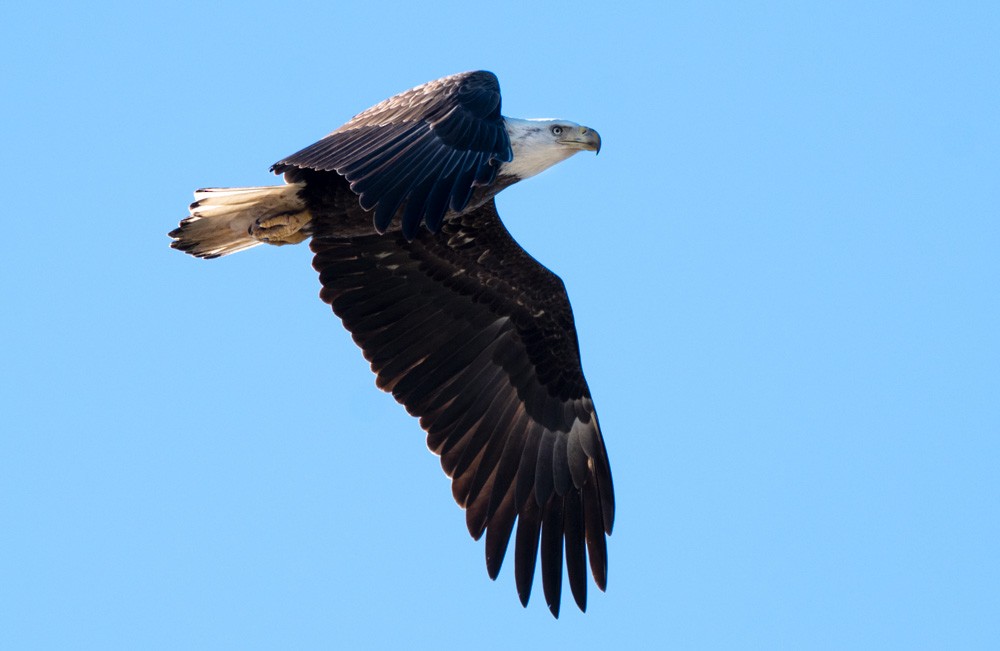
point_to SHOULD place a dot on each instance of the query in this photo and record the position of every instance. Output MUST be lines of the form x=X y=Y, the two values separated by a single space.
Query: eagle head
x=540 y=144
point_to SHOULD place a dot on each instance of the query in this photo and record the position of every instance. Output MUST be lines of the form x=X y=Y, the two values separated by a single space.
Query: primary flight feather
x=466 y=330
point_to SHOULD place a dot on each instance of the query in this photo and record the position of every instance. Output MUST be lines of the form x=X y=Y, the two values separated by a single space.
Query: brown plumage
x=464 y=328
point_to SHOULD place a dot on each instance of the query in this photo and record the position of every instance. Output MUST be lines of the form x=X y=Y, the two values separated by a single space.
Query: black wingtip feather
x=526 y=549
x=552 y=553
x=576 y=553
x=498 y=534
x=594 y=532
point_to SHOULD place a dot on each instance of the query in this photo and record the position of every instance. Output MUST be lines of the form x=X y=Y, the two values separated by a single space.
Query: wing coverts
x=425 y=150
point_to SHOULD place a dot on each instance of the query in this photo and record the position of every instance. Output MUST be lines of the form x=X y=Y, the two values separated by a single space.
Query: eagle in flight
x=467 y=331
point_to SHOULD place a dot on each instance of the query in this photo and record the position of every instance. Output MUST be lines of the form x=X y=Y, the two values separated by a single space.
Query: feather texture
x=476 y=338
x=464 y=328
x=425 y=150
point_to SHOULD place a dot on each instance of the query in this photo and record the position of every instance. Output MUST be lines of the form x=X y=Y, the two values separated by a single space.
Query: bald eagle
x=467 y=331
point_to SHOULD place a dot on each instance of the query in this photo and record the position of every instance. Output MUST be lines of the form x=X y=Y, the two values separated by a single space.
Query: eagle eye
x=556 y=130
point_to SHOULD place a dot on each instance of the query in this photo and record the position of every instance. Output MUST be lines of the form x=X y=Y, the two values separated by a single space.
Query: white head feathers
x=540 y=144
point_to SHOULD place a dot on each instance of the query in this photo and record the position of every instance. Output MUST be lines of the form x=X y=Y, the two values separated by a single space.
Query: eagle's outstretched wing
x=426 y=148
x=477 y=339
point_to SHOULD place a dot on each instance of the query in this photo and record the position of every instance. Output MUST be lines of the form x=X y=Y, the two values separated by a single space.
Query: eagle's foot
x=283 y=228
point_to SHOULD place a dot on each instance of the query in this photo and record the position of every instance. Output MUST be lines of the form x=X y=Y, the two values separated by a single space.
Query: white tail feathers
x=222 y=219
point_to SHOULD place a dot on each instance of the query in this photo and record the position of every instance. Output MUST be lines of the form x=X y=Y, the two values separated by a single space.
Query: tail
x=223 y=220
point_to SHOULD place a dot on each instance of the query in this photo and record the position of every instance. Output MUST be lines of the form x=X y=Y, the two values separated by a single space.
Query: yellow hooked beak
x=583 y=138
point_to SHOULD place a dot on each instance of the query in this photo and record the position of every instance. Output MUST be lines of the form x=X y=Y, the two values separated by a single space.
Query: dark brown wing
x=476 y=338
x=426 y=148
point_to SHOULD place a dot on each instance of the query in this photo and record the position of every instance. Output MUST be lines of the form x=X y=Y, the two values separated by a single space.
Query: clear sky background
x=785 y=268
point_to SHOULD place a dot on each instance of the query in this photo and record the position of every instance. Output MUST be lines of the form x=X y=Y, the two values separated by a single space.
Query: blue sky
x=784 y=269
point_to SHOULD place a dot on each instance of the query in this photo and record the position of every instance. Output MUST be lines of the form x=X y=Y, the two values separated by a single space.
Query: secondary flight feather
x=467 y=331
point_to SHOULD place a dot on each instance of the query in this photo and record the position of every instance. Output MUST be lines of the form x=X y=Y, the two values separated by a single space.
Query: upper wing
x=476 y=338
x=427 y=147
